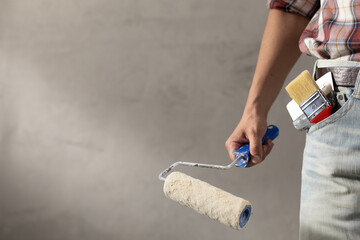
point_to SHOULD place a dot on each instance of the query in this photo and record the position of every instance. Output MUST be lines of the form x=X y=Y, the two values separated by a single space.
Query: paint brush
x=300 y=121
x=311 y=100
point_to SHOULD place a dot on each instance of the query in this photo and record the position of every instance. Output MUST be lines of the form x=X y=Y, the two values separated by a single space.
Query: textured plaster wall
x=97 y=97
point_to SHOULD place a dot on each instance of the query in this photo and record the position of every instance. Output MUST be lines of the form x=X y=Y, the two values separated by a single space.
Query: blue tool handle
x=244 y=151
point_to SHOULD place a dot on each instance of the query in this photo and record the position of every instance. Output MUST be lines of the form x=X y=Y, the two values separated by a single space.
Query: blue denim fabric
x=330 y=191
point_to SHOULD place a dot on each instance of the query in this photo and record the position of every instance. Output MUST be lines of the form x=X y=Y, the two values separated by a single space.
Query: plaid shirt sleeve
x=307 y=8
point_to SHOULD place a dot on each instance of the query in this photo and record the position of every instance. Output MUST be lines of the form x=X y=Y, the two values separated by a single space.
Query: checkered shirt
x=333 y=31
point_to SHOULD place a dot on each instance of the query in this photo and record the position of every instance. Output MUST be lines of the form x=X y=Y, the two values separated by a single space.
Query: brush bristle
x=302 y=87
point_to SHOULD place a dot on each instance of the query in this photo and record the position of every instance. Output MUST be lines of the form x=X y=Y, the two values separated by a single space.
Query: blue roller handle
x=244 y=151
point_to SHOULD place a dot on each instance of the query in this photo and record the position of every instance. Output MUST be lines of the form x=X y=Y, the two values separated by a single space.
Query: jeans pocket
x=336 y=116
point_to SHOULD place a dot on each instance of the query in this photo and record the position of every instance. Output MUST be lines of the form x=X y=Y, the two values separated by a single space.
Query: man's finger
x=267 y=148
x=230 y=147
x=255 y=149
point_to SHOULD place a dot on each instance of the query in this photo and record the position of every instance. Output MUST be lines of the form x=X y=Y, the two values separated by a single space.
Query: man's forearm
x=279 y=52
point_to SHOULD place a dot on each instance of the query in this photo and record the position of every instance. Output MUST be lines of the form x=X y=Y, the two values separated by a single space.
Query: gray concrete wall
x=97 y=97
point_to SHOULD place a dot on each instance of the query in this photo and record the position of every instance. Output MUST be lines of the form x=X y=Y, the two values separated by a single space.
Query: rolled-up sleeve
x=307 y=8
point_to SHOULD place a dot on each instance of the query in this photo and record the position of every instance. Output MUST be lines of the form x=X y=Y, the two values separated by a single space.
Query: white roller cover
x=213 y=202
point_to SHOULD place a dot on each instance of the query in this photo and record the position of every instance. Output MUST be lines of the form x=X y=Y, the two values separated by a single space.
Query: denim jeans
x=330 y=191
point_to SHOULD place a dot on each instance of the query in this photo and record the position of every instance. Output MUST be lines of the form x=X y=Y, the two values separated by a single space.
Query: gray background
x=97 y=97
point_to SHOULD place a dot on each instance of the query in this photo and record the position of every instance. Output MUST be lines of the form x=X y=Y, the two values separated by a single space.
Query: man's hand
x=250 y=129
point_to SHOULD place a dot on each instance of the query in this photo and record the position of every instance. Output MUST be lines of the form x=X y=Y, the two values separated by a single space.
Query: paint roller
x=208 y=200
